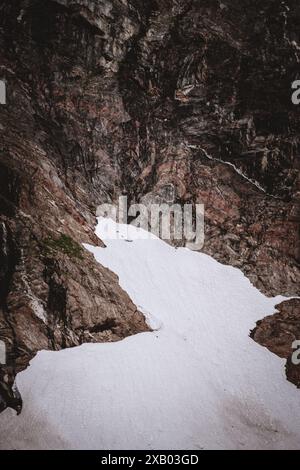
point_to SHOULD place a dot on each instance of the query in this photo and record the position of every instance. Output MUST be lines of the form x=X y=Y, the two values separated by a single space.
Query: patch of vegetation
x=64 y=244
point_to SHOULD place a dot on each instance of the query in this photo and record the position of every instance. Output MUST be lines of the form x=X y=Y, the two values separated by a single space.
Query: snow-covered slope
x=198 y=381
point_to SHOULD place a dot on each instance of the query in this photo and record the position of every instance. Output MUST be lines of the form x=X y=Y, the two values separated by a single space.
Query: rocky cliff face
x=107 y=96
x=279 y=332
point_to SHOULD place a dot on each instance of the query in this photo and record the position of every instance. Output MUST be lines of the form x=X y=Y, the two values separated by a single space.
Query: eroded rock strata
x=110 y=96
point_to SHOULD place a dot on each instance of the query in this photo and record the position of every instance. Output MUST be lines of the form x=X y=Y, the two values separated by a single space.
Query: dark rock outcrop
x=279 y=332
x=107 y=96
x=54 y=171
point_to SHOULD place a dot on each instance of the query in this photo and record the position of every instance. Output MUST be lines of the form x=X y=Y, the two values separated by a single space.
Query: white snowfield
x=197 y=382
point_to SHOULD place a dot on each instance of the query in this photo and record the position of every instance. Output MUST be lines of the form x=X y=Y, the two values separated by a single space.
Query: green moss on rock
x=64 y=244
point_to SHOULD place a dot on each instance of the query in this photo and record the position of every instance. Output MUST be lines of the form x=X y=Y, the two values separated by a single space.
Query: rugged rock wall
x=57 y=162
x=138 y=96
x=209 y=82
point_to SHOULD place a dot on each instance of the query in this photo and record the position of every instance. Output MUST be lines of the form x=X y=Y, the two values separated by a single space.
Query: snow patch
x=199 y=382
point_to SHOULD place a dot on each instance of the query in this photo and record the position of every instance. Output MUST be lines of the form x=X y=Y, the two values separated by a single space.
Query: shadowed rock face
x=111 y=96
